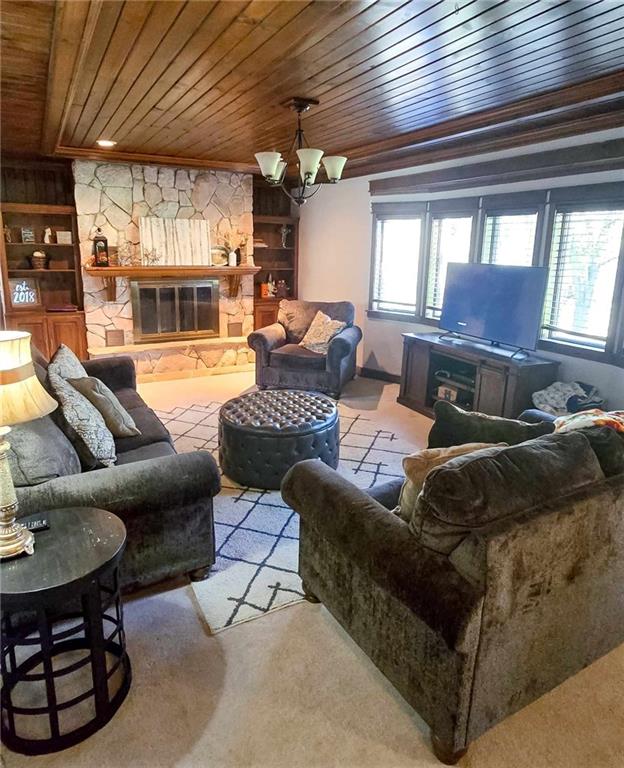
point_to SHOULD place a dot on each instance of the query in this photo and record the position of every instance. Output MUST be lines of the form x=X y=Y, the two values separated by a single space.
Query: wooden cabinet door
x=35 y=324
x=491 y=389
x=68 y=329
x=265 y=314
x=414 y=373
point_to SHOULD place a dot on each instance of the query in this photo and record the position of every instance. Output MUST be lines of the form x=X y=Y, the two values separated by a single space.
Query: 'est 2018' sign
x=24 y=293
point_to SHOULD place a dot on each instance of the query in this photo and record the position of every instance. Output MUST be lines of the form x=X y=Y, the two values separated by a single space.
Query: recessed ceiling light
x=106 y=143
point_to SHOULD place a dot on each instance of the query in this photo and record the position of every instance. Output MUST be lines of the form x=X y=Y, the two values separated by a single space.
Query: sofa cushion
x=418 y=465
x=151 y=451
x=294 y=357
x=473 y=491
x=150 y=426
x=297 y=316
x=115 y=416
x=454 y=426
x=85 y=419
x=129 y=398
x=65 y=364
x=39 y=451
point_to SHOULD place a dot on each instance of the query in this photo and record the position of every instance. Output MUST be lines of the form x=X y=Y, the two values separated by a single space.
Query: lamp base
x=15 y=539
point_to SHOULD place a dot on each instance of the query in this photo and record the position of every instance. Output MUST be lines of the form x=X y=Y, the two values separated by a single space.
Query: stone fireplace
x=211 y=335
x=166 y=310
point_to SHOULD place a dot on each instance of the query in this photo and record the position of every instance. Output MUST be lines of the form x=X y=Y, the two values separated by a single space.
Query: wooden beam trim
x=552 y=163
x=80 y=153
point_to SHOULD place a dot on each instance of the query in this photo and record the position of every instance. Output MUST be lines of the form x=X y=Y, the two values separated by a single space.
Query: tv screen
x=497 y=303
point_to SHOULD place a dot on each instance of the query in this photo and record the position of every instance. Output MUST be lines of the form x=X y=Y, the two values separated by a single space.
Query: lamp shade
x=268 y=162
x=309 y=161
x=333 y=166
x=22 y=398
x=281 y=170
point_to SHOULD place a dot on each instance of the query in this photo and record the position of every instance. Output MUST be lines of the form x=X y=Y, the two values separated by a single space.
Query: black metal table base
x=99 y=631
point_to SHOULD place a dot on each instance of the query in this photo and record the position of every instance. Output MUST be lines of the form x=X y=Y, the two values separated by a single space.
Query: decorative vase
x=39 y=260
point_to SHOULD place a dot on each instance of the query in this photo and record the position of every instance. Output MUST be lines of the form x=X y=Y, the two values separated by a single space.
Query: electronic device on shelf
x=498 y=304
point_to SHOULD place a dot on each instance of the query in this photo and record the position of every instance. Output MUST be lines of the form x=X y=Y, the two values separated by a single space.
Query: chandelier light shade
x=308 y=160
x=334 y=165
x=268 y=162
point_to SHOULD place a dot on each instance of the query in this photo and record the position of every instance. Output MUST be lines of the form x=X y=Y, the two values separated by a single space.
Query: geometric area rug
x=257 y=534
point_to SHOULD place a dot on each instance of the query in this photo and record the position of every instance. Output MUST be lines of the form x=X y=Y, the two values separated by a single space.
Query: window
x=450 y=241
x=582 y=274
x=395 y=266
x=509 y=239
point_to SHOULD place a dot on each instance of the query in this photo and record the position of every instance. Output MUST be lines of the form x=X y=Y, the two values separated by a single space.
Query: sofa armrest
x=342 y=345
x=115 y=372
x=131 y=489
x=381 y=545
x=264 y=340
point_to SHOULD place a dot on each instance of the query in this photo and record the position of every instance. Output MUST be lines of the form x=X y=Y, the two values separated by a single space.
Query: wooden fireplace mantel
x=108 y=274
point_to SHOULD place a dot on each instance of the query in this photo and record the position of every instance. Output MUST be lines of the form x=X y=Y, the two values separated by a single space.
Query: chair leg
x=199 y=574
x=309 y=596
x=445 y=752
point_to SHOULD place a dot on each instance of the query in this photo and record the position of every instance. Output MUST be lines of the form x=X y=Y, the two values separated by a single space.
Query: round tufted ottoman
x=263 y=434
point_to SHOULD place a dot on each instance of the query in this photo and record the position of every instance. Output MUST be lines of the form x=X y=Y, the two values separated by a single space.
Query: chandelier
x=273 y=167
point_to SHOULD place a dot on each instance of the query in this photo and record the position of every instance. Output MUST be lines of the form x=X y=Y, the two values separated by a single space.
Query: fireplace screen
x=184 y=309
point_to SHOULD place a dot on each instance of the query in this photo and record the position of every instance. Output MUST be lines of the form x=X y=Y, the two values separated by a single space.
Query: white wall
x=335 y=249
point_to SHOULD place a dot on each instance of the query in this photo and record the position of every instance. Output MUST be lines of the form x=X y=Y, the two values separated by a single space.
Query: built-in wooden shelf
x=259 y=219
x=48 y=210
x=43 y=245
x=108 y=274
x=25 y=272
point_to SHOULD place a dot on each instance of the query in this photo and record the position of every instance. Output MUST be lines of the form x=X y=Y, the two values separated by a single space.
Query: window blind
x=509 y=239
x=450 y=242
x=582 y=270
x=395 y=267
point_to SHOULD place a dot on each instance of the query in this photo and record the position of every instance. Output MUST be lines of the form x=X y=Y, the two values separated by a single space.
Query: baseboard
x=373 y=373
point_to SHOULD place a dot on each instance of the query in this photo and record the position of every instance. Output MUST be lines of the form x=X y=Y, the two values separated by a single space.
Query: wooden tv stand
x=487 y=378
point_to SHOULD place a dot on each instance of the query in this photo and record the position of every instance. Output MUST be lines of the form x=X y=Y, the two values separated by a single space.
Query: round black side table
x=65 y=670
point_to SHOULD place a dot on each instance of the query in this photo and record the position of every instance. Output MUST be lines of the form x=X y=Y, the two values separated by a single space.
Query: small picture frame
x=28 y=235
x=64 y=237
x=24 y=293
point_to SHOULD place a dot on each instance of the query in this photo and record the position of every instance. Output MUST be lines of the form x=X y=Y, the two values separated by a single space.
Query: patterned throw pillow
x=321 y=332
x=65 y=364
x=85 y=419
x=116 y=417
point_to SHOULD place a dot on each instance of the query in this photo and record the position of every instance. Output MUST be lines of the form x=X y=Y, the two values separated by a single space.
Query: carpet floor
x=257 y=534
x=291 y=690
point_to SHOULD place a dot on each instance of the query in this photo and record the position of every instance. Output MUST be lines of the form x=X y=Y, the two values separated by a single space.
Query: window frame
x=394 y=211
x=613 y=353
x=545 y=203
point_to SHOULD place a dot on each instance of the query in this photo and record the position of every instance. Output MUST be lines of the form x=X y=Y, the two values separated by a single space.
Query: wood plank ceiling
x=204 y=83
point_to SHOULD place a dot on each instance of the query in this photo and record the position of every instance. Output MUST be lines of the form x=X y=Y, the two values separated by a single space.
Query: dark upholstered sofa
x=164 y=499
x=282 y=364
x=469 y=640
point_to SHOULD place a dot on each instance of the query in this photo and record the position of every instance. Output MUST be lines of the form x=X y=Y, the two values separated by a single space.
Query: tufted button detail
x=263 y=434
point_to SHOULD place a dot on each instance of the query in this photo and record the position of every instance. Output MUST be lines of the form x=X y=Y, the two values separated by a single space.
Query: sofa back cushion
x=297 y=316
x=454 y=426
x=471 y=492
x=418 y=465
x=39 y=451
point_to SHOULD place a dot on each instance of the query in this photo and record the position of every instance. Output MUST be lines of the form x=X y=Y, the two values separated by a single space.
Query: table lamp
x=22 y=398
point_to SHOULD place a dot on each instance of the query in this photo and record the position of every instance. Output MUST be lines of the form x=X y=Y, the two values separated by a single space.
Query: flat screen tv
x=500 y=304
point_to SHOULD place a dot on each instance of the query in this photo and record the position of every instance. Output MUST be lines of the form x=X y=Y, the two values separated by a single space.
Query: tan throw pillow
x=85 y=419
x=321 y=332
x=116 y=417
x=419 y=464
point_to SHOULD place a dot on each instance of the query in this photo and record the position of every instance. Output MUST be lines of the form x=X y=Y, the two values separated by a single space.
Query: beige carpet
x=290 y=690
